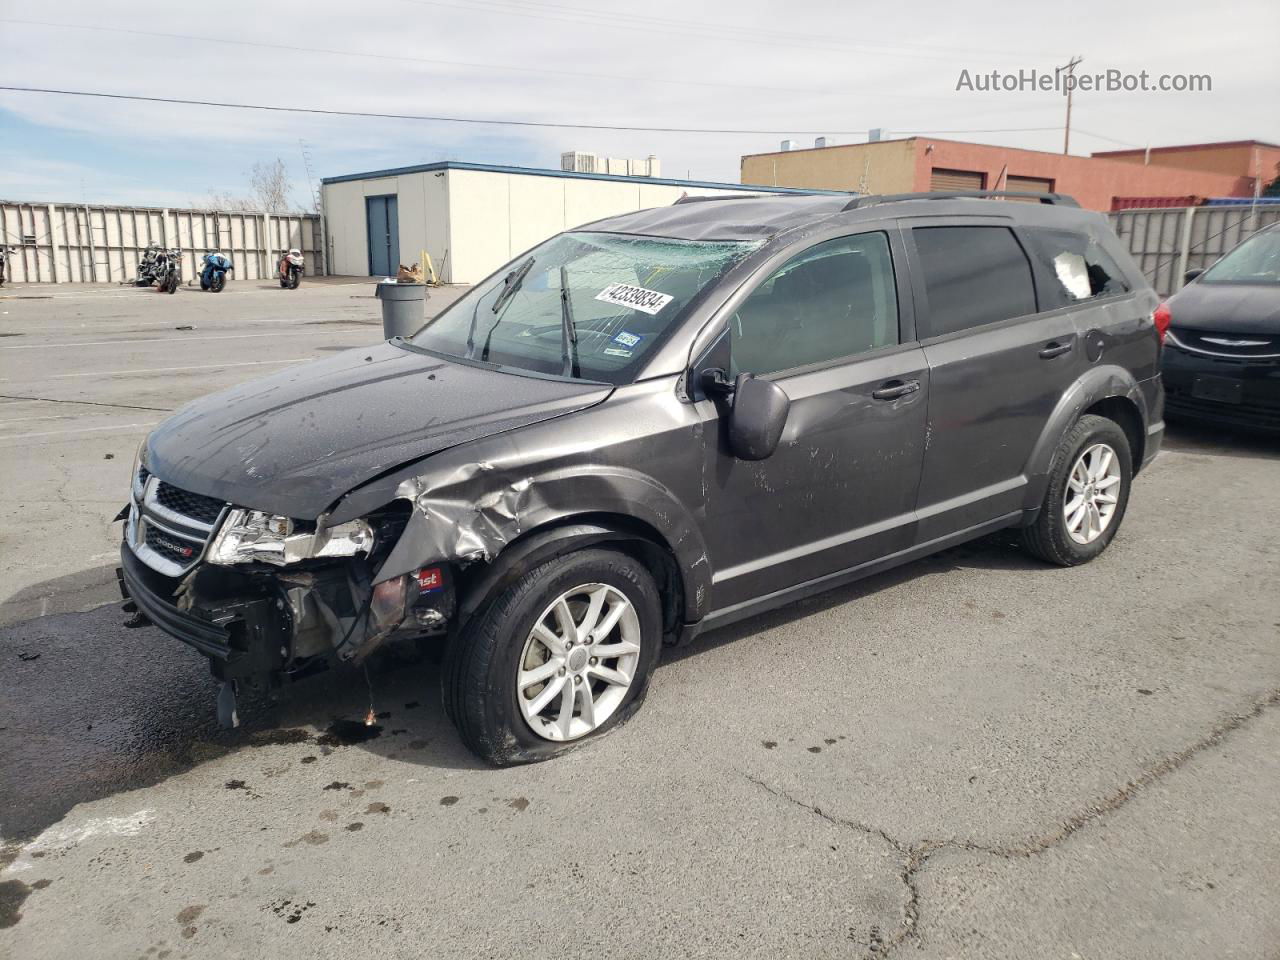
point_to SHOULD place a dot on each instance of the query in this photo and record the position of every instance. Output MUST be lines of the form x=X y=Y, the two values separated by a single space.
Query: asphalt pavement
x=972 y=756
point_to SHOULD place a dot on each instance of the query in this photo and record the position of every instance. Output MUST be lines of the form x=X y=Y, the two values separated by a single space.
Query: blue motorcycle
x=213 y=275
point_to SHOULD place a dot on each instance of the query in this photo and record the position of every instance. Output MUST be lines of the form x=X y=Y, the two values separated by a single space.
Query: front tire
x=217 y=282
x=559 y=657
x=1089 y=481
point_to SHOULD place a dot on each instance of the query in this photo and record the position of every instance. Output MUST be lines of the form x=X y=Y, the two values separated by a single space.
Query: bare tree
x=270 y=185
x=269 y=189
x=221 y=200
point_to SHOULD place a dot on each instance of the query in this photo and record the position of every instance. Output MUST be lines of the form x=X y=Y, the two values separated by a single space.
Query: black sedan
x=1222 y=346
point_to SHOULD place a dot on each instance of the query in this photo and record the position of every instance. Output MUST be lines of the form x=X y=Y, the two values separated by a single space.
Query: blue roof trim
x=568 y=174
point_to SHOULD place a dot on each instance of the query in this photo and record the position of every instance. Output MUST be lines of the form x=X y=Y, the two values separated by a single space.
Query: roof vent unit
x=576 y=161
x=820 y=142
x=788 y=145
x=876 y=134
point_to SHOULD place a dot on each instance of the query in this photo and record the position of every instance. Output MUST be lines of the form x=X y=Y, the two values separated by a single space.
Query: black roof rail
x=1055 y=199
x=716 y=196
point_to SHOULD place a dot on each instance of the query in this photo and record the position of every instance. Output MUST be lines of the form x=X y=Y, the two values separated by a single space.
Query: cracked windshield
x=583 y=305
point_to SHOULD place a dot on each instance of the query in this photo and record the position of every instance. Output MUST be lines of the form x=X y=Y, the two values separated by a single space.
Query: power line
x=632 y=78
x=492 y=122
x=719 y=31
x=827 y=91
x=1099 y=136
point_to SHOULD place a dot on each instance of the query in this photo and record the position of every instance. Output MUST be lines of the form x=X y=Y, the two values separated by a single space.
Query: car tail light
x=1162 y=317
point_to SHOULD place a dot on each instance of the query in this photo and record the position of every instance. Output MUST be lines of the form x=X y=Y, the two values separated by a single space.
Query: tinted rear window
x=973 y=276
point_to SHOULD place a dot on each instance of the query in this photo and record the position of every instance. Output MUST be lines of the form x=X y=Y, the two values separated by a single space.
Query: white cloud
x=829 y=66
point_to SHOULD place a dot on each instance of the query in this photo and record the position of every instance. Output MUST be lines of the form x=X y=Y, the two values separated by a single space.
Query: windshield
x=1257 y=260
x=585 y=305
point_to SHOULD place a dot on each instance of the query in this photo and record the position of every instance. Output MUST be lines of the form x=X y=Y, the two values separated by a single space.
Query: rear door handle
x=895 y=389
x=1054 y=349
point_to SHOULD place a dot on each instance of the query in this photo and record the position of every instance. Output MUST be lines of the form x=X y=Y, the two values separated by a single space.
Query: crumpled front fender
x=470 y=502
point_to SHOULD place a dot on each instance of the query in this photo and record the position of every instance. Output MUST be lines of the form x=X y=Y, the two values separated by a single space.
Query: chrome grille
x=174 y=549
x=169 y=528
x=1232 y=346
x=196 y=505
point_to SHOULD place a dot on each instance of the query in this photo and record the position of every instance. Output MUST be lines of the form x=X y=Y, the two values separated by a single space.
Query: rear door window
x=1076 y=267
x=972 y=276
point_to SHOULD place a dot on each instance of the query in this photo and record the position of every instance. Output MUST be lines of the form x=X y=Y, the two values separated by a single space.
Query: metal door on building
x=384 y=235
x=948 y=181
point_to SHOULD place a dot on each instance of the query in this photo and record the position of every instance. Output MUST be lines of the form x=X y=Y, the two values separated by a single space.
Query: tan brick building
x=917 y=164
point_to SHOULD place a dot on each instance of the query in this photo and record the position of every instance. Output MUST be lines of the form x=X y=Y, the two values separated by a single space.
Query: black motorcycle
x=147 y=265
x=4 y=256
x=167 y=270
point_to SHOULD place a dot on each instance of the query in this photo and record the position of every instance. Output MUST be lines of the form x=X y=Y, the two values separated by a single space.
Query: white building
x=472 y=218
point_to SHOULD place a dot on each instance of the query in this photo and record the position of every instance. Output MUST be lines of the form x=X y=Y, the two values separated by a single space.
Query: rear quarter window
x=972 y=276
x=1075 y=267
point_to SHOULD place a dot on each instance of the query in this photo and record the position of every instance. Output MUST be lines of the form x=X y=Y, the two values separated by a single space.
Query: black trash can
x=404 y=307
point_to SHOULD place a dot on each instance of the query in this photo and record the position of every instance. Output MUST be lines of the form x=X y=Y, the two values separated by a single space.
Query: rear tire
x=486 y=678
x=1096 y=488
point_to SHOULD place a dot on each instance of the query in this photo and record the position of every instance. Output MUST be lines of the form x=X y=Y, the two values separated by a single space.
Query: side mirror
x=1191 y=275
x=758 y=417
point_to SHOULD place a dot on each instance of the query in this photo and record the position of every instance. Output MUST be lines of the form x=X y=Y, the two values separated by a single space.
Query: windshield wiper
x=510 y=286
x=568 y=332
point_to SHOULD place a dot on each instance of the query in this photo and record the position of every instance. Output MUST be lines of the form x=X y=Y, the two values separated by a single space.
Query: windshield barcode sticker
x=637 y=298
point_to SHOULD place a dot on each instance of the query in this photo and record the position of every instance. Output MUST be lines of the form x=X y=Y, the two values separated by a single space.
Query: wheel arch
x=631 y=535
x=1109 y=391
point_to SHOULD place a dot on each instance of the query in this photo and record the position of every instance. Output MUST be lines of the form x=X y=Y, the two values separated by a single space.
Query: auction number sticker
x=637 y=298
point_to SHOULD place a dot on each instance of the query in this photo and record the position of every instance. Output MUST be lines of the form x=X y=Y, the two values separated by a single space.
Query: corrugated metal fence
x=1170 y=241
x=83 y=243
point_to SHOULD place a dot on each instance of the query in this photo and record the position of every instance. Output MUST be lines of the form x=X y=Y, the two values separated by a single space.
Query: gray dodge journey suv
x=650 y=426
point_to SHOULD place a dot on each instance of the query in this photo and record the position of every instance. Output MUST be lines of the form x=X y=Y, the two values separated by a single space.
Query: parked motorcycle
x=4 y=256
x=213 y=276
x=147 y=265
x=291 y=265
x=168 y=270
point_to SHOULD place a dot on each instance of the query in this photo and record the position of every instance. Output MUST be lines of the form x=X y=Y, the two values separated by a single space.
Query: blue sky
x=116 y=166
x=826 y=65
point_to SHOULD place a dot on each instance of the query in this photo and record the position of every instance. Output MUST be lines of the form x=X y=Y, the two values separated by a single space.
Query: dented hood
x=294 y=442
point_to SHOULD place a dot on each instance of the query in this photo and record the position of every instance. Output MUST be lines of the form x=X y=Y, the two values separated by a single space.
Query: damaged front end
x=269 y=599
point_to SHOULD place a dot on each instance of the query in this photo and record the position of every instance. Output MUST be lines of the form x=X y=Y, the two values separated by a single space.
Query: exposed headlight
x=249 y=535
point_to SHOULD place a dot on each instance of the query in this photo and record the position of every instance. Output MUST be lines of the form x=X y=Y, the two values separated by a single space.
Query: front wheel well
x=633 y=537
x=1125 y=413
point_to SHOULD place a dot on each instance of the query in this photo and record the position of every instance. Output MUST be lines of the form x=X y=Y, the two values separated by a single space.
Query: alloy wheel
x=578 y=662
x=1092 y=494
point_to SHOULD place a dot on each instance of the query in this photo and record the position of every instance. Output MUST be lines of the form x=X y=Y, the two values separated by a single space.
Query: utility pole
x=1070 y=68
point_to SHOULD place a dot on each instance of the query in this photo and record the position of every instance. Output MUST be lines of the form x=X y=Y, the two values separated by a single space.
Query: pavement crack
x=1154 y=774
x=88 y=403
x=897 y=845
x=914 y=857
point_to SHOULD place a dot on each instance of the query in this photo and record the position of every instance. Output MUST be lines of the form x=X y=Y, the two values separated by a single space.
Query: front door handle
x=1054 y=349
x=895 y=389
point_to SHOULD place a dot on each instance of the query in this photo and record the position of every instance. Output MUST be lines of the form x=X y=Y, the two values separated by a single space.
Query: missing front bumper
x=242 y=637
x=279 y=625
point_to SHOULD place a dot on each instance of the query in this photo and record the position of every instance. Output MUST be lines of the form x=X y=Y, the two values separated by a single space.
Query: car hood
x=1227 y=307
x=294 y=442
